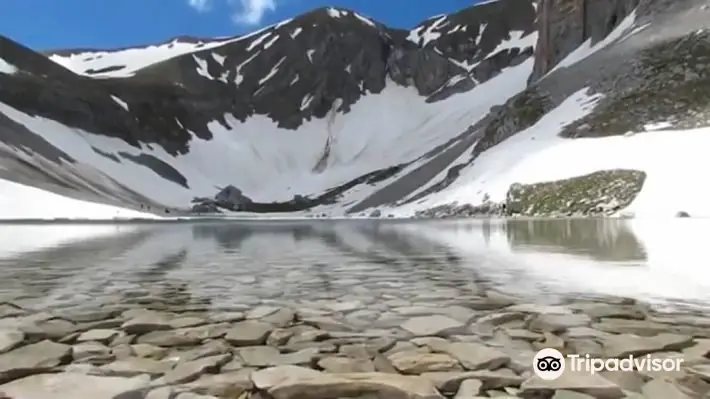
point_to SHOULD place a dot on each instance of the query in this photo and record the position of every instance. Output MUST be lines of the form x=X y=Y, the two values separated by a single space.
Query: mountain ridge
x=330 y=110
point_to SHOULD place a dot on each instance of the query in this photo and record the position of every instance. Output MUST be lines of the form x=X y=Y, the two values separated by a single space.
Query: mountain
x=509 y=106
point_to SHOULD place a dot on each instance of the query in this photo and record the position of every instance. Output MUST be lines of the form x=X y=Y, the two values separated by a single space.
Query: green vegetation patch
x=518 y=114
x=596 y=194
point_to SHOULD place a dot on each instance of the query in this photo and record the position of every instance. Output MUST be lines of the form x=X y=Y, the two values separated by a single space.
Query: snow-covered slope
x=18 y=201
x=334 y=113
x=125 y=62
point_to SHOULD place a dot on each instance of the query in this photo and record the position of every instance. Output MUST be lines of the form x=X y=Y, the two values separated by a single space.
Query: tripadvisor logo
x=550 y=364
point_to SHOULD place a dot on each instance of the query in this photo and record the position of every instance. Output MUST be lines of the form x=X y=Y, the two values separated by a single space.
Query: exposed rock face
x=563 y=25
x=597 y=194
x=231 y=197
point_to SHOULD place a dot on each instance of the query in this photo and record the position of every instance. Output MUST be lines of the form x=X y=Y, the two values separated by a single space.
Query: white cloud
x=246 y=12
x=251 y=12
x=200 y=5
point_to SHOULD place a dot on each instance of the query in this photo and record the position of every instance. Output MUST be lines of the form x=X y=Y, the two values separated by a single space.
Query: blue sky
x=51 y=24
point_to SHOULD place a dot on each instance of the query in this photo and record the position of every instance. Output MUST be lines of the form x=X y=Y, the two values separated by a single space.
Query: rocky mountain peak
x=177 y=94
x=290 y=72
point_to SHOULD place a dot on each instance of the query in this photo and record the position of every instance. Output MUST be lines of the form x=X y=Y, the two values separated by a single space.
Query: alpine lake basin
x=350 y=308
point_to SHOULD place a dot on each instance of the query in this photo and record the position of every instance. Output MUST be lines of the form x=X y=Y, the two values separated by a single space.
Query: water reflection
x=603 y=240
x=313 y=262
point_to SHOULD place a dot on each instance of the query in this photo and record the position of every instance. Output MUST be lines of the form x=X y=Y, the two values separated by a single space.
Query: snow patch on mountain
x=124 y=63
x=273 y=164
x=19 y=201
x=518 y=40
x=7 y=68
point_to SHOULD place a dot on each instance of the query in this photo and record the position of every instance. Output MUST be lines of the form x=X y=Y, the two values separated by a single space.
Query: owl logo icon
x=549 y=364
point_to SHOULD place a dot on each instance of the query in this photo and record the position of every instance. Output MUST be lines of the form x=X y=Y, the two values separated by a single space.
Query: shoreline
x=470 y=348
x=195 y=220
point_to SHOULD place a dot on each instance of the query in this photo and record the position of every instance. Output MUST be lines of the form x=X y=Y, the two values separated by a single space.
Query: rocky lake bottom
x=320 y=310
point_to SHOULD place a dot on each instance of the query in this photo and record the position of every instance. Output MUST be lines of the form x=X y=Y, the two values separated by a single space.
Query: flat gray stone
x=32 y=359
x=211 y=348
x=469 y=389
x=557 y=323
x=282 y=317
x=417 y=362
x=99 y=335
x=600 y=310
x=624 y=345
x=10 y=310
x=471 y=355
x=340 y=364
x=182 y=322
x=53 y=329
x=146 y=323
x=269 y=377
x=227 y=317
x=279 y=336
x=431 y=325
x=662 y=389
x=286 y=382
x=628 y=380
x=88 y=350
x=539 y=309
x=10 y=339
x=496 y=319
x=475 y=356
x=71 y=385
x=580 y=382
x=190 y=371
x=645 y=328
x=563 y=394
x=231 y=384
x=451 y=380
x=248 y=333
x=148 y=351
x=326 y=323
x=261 y=311
x=131 y=367
x=700 y=370
x=169 y=338
x=267 y=356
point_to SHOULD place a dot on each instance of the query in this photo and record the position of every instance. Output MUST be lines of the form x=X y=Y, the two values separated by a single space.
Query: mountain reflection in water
x=223 y=264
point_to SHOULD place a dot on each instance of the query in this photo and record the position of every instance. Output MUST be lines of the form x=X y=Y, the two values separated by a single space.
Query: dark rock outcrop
x=232 y=198
x=229 y=198
x=449 y=211
x=563 y=25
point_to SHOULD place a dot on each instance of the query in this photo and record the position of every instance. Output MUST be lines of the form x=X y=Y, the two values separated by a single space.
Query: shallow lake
x=360 y=266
